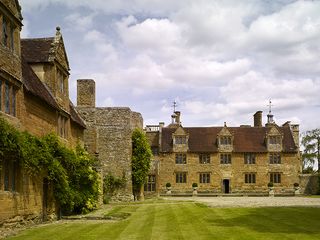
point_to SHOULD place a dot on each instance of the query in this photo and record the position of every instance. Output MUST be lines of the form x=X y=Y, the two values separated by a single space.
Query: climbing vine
x=71 y=172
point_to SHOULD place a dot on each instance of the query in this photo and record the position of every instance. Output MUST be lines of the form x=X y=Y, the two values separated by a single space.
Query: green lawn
x=187 y=220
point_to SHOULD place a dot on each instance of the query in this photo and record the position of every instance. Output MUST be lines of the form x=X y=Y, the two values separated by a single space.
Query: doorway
x=226 y=185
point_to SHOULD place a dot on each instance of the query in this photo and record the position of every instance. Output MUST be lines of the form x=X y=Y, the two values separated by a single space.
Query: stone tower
x=108 y=135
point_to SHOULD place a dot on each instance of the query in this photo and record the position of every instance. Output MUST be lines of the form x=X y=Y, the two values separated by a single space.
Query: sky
x=221 y=61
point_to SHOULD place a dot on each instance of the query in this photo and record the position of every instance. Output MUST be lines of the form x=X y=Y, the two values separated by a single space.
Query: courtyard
x=191 y=218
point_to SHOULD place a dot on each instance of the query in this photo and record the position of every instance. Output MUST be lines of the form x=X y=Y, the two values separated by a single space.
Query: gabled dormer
x=274 y=139
x=48 y=59
x=180 y=139
x=225 y=140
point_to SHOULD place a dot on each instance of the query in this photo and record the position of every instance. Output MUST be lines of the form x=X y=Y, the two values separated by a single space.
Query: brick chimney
x=295 y=134
x=257 y=117
x=86 y=93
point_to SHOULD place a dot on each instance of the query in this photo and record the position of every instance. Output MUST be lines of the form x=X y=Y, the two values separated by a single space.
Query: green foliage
x=75 y=182
x=168 y=184
x=194 y=185
x=141 y=159
x=110 y=185
x=311 y=144
x=270 y=184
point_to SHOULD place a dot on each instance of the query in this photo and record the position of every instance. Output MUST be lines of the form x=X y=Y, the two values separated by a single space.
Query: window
x=4 y=32
x=150 y=186
x=274 y=140
x=12 y=37
x=204 y=177
x=181 y=158
x=7 y=97
x=275 y=177
x=225 y=158
x=181 y=177
x=60 y=80
x=62 y=126
x=204 y=158
x=275 y=158
x=180 y=140
x=9 y=168
x=225 y=140
x=13 y=105
x=7 y=33
x=249 y=158
x=250 y=178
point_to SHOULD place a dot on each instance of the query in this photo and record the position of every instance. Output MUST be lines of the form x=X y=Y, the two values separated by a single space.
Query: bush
x=168 y=185
x=270 y=184
x=296 y=184
x=194 y=185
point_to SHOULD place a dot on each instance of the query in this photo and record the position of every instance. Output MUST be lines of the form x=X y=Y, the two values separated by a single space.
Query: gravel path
x=253 y=201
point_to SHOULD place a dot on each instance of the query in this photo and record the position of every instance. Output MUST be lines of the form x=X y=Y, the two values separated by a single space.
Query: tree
x=311 y=152
x=141 y=159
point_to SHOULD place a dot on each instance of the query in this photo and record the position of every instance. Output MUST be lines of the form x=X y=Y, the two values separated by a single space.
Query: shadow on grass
x=271 y=220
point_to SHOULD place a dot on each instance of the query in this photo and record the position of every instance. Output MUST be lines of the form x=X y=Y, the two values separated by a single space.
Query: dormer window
x=274 y=140
x=61 y=81
x=225 y=140
x=180 y=140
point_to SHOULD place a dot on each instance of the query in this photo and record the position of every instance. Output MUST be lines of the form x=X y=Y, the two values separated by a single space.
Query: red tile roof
x=246 y=139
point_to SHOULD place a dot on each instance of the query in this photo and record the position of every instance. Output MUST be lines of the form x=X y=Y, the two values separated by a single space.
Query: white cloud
x=79 y=22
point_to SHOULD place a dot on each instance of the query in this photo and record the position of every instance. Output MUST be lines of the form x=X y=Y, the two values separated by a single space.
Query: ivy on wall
x=71 y=172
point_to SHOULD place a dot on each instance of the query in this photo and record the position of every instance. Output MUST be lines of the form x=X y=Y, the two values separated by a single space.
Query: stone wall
x=309 y=183
x=235 y=172
x=108 y=135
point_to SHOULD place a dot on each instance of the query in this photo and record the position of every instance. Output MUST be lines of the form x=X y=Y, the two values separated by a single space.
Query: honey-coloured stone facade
x=223 y=160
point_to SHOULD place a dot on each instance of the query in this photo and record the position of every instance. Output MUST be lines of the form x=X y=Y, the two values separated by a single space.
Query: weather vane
x=270 y=106
x=174 y=105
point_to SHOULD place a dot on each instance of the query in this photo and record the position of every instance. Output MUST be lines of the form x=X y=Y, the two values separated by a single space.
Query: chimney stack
x=257 y=117
x=86 y=93
x=177 y=117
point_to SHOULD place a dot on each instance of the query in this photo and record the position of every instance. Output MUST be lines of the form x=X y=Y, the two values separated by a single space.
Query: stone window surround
x=204 y=158
x=150 y=185
x=275 y=158
x=7 y=33
x=181 y=177
x=225 y=140
x=275 y=139
x=8 y=97
x=225 y=158
x=180 y=139
x=62 y=126
x=249 y=158
x=61 y=80
x=204 y=177
x=181 y=158
x=8 y=175
x=250 y=178
x=275 y=177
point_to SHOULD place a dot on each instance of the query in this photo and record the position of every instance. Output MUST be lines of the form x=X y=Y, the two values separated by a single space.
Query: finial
x=58 y=28
x=225 y=124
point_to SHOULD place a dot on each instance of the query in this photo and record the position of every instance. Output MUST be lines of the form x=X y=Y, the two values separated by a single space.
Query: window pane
x=13 y=102
x=7 y=98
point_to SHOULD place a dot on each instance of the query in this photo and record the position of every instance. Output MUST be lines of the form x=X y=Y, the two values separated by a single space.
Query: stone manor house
x=34 y=96
x=224 y=159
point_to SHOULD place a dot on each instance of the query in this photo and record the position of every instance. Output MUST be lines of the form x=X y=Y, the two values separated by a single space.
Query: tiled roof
x=246 y=139
x=34 y=85
x=75 y=116
x=36 y=50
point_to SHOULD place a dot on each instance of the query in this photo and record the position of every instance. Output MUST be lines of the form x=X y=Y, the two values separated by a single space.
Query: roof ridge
x=37 y=39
